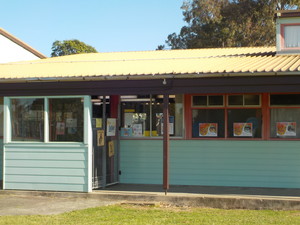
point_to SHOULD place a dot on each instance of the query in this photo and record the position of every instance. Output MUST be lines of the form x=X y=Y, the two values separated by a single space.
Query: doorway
x=105 y=140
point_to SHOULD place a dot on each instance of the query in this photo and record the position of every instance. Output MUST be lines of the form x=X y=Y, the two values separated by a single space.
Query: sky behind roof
x=107 y=25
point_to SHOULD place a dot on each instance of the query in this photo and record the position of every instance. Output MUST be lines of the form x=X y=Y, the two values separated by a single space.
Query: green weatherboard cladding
x=213 y=163
x=39 y=166
x=1 y=159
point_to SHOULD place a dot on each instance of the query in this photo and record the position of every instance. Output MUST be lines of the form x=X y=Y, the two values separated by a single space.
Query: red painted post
x=166 y=139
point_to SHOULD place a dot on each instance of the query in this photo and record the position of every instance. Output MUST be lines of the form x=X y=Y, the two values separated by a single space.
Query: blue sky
x=107 y=25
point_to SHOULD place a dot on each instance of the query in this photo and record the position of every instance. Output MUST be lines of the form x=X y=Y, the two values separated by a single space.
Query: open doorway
x=105 y=141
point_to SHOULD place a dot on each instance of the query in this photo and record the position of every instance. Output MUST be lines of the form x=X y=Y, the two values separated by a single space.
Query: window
x=142 y=115
x=65 y=119
x=244 y=100
x=208 y=123
x=209 y=100
x=27 y=119
x=285 y=119
x=240 y=117
x=291 y=36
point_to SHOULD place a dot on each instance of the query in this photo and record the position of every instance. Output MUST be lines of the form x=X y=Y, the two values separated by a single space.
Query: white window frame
x=7 y=134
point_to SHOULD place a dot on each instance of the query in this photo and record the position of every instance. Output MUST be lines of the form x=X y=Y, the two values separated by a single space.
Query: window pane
x=215 y=100
x=175 y=115
x=143 y=115
x=208 y=123
x=292 y=99
x=285 y=123
x=199 y=100
x=292 y=36
x=27 y=119
x=244 y=123
x=235 y=100
x=252 y=99
x=135 y=115
x=66 y=119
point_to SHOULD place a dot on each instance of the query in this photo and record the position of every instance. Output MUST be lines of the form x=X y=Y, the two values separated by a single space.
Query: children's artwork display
x=284 y=129
x=111 y=127
x=137 y=130
x=60 y=128
x=111 y=149
x=100 y=137
x=160 y=124
x=242 y=129
x=208 y=129
x=126 y=132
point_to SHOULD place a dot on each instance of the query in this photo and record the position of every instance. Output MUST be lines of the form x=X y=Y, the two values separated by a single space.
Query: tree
x=69 y=47
x=228 y=23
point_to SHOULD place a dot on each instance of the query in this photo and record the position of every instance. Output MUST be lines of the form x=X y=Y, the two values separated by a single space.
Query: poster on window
x=111 y=149
x=208 y=129
x=100 y=137
x=284 y=129
x=137 y=130
x=60 y=128
x=126 y=132
x=242 y=129
x=98 y=122
x=111 y=127
x=160 y=124
x=70 y=122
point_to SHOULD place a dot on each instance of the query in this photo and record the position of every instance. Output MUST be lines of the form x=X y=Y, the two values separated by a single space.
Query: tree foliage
x=70 y=47
x=228 y=23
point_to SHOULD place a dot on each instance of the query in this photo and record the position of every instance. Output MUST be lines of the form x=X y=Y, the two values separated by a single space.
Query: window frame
x=190 y=107
x=282 y=36
x=183 y=136
x=7 y=119
x=280 y=107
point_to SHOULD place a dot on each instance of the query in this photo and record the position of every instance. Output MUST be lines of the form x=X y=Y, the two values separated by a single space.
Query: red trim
x=189 y=108
x=282 y=36
x=265 y=116
x=188 y=115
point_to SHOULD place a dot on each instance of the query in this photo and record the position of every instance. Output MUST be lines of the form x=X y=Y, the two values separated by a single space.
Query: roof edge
x=21 y=43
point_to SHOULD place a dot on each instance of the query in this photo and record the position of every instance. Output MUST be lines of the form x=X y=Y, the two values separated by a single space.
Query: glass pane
x=235 y=100
x=208 y=123
x=292 y=36
x=175 y=115
x=27 y=119
x=285 y=123
x=244 y=123
x=215 y=100
x=142 y=116
x=199 y=100
x=252 y=99
x=292 y=99
x=66 y=119
x=135 y=115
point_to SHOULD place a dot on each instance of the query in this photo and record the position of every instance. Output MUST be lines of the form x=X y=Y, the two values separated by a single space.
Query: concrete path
x=43 y=202
x=39 y=205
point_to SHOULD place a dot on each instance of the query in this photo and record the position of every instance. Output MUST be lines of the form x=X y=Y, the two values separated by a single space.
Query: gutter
x=147 y=77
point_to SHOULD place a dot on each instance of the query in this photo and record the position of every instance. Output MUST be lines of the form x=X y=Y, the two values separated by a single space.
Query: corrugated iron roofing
x=181 y=63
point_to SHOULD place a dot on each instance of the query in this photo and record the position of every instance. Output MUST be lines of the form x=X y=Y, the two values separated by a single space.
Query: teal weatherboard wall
x=40 y=166
x=1 y=159
x=273 y=164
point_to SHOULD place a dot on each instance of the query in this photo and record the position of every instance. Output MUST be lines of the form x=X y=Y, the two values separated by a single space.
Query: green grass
x=125 y=214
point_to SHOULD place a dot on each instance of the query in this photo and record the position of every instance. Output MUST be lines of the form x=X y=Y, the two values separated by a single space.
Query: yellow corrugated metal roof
x=204 y=62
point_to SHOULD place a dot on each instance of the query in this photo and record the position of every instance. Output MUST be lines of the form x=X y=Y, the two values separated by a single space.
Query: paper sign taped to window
x=111 y=149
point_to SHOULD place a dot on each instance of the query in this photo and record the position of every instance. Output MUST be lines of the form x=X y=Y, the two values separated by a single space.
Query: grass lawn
x=128 y=214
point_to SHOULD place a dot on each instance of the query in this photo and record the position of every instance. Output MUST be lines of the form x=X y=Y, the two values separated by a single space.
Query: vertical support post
x=114 y=161
x=104 y=147
x=166 y=141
